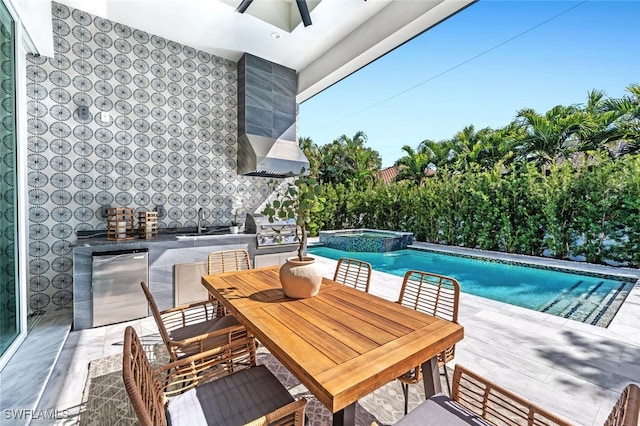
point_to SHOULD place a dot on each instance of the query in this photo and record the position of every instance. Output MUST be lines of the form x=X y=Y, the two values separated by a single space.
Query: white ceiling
x=345 y=34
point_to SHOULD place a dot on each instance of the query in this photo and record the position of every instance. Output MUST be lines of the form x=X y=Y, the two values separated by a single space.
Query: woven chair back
x=228 y=261
x=496 y=404
x=142 y=387
x=354 y=273
x=626 y=412
x=159 y=322
x=432 y=294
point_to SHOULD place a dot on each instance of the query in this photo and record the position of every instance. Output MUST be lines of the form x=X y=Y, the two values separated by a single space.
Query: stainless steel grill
x=276 y=234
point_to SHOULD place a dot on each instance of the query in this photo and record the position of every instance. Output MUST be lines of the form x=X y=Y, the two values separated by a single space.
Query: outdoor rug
x=105 y=401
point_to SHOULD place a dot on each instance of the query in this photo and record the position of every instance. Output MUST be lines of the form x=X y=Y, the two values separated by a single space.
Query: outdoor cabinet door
x=262 y=260
x=188 y=287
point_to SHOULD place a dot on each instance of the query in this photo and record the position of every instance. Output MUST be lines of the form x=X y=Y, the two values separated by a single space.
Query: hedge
x=588 y=208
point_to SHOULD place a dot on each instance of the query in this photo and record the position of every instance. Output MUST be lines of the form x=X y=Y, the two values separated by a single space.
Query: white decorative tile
x=168 y=116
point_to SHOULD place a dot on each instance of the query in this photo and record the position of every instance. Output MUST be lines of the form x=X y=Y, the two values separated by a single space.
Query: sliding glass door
x=9 y=290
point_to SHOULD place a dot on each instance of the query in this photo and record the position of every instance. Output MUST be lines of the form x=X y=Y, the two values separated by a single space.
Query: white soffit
x=345 y=35
x=35 y=16
x=396 y=24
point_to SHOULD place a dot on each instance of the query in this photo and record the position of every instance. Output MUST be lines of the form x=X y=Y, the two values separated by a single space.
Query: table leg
x=346 y=416
x=431 y=377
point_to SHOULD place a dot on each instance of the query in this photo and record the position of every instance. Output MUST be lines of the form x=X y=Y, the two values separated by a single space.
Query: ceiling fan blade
x=304 y=12
x=244 y=5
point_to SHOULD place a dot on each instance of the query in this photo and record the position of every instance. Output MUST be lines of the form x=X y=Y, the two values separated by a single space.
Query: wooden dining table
x=342 y=344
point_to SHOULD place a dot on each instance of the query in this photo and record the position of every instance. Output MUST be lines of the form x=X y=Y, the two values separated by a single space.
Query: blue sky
x=480 y=67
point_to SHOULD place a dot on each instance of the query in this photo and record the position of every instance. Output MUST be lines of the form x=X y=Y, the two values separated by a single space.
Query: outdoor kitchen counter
x=176 y=246
x=181 y=236
x=165 y=251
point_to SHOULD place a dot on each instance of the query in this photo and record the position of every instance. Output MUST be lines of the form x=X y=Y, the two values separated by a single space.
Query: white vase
x=233 y=229
x=300 y=278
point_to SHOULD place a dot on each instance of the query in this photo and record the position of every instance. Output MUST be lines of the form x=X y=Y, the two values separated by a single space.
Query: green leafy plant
x=298 y=199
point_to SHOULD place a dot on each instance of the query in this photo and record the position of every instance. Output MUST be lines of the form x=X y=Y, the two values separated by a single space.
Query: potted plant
x=298 y=200
x=234 y=223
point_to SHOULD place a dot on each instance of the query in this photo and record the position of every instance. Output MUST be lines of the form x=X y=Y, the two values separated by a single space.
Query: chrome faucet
x=200 y=218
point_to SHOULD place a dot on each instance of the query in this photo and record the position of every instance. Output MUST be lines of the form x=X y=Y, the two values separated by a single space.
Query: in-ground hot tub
x=366 y=240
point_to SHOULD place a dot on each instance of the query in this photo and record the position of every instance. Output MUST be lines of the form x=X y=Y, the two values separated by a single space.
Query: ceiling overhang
x=397 y=23
x=283 y=14
x=345 y=36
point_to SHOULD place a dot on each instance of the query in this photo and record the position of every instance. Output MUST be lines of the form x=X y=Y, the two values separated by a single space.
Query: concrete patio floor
x=573 y=369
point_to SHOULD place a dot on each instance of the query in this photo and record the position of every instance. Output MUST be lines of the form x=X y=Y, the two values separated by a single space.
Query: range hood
x=269 y=157
x=267 y=113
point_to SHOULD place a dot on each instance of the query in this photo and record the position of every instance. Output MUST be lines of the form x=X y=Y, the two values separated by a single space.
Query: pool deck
x=574 y=369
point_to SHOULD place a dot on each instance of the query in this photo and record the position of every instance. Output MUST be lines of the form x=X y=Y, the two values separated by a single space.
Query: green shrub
x=590 y=209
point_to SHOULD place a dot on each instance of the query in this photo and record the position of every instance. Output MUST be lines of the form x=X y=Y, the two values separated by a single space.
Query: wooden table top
x=341 y=344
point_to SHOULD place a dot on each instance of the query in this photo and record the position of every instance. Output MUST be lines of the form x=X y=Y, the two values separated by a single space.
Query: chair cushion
x=202 y=327
x=441 y=410
x=232 y=400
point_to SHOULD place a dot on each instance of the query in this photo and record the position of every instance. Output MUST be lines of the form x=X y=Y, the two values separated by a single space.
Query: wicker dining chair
x=194 y=328
x=435 y=295
x=354 y=273
x=477 y=400
x=626 y=411
x=226 y=261
x=193 y=392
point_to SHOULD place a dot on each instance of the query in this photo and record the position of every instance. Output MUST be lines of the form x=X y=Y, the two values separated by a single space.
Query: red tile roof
x=389 y=174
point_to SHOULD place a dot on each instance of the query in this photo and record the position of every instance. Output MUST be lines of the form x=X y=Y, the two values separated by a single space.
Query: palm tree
x=412 y=166
x=313 y=154
x=496 y=146
x=352 y=147
x=485 y=147
x=597 y=129
x=367 y=167
x=549 y=136
x=347 y=160
x=440 y=153
x=627 y=125
x=331 y=168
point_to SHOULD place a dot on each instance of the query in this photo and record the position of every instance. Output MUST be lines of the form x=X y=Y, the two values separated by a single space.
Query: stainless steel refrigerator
x=115 y=283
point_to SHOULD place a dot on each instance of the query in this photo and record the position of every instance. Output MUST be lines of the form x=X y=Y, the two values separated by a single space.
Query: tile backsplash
x=159 y=129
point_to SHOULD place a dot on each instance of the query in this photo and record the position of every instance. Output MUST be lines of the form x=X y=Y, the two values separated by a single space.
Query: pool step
x=604 y=313
x=582 y=302
x=561 y=299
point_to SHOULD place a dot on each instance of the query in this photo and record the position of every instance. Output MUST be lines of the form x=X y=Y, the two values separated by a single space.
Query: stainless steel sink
x=182 y=233
x=209 y=233
x=197 y=236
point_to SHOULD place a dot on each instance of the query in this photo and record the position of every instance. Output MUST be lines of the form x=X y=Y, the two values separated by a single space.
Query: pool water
x=584 y=298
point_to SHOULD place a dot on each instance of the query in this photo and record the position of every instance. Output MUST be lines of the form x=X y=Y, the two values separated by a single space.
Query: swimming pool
x=589 y=299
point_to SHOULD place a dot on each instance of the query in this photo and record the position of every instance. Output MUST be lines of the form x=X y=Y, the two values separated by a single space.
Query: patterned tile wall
x=169 y=140
x=7 y=188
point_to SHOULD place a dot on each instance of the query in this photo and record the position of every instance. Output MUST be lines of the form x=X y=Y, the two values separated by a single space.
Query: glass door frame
x=21 y=48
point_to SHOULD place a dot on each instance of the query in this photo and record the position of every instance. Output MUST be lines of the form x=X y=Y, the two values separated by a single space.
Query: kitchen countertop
x=172 y=247
x=189 y=234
